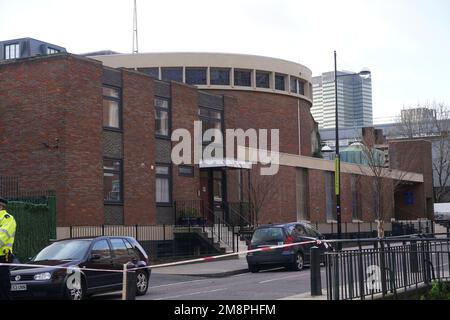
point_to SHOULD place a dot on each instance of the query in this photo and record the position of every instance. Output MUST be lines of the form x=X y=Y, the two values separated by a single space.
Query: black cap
x=4 y=201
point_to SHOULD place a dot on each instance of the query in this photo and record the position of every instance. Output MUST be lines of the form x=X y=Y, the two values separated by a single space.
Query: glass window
x=262 y=79
x=294 y=85
x=64 y=250
x=211 y=119
x=242 y=78
x=172 y=74
x=119 y=247
x=152 y=72
x=12 y=51
x=112 y=180
x=196 y=75
x=52 y=50
x=102 y=249
x=163 y=184
x=162 y=121
x=186 y=171
x=279 y=82
x=111 y=108
x=301 y=87
x=219 y=76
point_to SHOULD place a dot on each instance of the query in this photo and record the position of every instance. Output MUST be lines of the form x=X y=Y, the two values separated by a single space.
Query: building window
x=356 y=203
x=217 y=186
x=152 y=72
x=196 y=75
x=112 y=180
x=187 y=171
x=329 y=194
x=302 y=194
x=301 y=87
x=242 y=78
x=162 y=113
x=172 y=74
x=262 y=79
x=163 y=184
x=12 y=51
x=219 y=76
x=211 y=119
x=294 y=85
x=280 y=82
x=52 y=50
x=111 y=108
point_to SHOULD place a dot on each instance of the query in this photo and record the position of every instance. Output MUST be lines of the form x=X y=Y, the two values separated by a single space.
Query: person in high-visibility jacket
x=7 y=233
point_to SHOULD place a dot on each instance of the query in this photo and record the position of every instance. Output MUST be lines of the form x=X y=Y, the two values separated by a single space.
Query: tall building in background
x=354 y=101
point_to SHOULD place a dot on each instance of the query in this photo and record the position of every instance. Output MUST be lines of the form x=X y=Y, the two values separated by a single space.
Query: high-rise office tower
x=354 y=100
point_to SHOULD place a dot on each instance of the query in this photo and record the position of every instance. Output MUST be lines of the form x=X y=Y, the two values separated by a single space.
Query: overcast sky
x=405 y=43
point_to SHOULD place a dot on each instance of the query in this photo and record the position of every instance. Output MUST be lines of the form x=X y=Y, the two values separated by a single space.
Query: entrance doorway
x=212 y=192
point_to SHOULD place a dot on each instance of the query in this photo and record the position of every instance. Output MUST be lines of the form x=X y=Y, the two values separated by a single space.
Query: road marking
x=175 y=283
x=276 y=279
x=191 y=294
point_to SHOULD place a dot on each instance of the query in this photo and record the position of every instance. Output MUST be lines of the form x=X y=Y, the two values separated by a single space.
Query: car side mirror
x=95 y=257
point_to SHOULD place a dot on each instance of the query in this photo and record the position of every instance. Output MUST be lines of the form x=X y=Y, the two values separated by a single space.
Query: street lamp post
x=337 y=160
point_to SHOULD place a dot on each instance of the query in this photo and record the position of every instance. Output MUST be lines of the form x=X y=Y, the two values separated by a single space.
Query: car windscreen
x=268 y=235
x=64 y=250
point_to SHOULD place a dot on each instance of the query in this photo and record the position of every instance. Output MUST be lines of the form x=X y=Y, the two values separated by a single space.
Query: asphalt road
x=266 y=285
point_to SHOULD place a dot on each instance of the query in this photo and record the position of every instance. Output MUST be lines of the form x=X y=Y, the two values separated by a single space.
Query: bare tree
x=375 y=164
x=262 y=189
x=430 y=121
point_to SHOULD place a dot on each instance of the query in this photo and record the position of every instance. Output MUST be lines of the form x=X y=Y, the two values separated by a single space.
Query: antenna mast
x=135 y=31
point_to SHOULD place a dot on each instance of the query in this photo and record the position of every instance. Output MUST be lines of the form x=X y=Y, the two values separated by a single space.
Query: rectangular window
x=52 y=50
x=329 y=194
x=163 y=184
x=152 y=72
x=301 y=87
x=356 y=204
x=12 y=51
x=211 y=119
x=162 y=113
x=112 y=180
x=262 y=79
x=196 y=75
x=187 y=171
x=219 y=76
x=242 y=78
x=280 y=82
x=294 y=85
x=172 y=74
x=302 y=194
x=111 y=108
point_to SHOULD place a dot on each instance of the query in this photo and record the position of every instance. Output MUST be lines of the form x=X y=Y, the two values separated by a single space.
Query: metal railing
x=388 y=266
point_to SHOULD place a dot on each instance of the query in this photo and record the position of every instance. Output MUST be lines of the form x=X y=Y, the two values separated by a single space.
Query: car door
x=303 y=236
x=99 y=258
x=120 y=257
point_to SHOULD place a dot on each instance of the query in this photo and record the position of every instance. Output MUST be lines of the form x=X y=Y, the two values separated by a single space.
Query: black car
x=292 y=257
x=65 y=259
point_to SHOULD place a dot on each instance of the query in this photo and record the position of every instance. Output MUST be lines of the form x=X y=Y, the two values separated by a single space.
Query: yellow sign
x=337 y=175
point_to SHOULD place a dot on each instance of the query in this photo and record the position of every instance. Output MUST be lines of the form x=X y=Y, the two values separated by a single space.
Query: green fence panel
x=35 y=226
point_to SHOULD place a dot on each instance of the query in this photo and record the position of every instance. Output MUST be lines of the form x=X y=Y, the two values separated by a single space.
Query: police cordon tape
x=170 y=264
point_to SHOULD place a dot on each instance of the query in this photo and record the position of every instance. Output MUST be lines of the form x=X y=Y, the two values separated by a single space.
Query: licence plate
x=18 y=287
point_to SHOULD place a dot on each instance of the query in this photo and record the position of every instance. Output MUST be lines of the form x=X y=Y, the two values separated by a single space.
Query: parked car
x=104 y=253
x=292 y=257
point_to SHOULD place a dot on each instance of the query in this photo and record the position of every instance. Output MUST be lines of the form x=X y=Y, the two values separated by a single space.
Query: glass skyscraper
x=354 y=100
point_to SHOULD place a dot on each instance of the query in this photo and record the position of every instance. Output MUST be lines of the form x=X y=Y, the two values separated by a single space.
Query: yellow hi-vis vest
x=7 y=232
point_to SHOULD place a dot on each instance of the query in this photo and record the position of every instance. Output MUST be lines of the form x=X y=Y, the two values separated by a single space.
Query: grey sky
x=405 y=43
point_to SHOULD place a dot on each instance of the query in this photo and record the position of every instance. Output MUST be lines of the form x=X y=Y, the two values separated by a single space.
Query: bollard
x=128 y=283
x=316 y=280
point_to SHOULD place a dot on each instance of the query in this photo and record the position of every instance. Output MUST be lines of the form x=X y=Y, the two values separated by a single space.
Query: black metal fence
x=387 y=267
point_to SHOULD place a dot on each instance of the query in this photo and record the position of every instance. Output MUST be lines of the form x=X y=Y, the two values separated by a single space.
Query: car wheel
x=254 y=268
x=299 y=262
x=141 y=283
x=76 y=293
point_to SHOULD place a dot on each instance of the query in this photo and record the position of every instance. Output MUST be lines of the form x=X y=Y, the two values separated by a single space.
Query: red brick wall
x=260 y=110
x=184 y=113
x=139 y=146
x=48 y=98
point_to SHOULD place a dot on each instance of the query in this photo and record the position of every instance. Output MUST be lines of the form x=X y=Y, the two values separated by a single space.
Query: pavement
x=213 y=269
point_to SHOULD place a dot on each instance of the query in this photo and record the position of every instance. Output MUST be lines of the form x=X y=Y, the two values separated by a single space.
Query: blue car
x=292 y=257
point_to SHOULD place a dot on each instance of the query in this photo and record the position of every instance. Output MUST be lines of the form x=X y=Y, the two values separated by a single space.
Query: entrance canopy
x=224 y=163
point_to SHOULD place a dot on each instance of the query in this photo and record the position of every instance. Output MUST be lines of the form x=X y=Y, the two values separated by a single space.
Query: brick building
x=98 y=134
